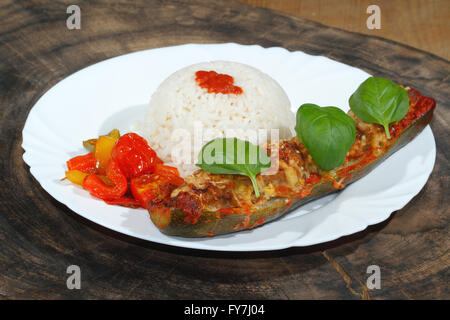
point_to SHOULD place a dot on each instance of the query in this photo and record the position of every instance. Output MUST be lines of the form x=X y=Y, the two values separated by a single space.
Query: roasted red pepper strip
x=100 y=189
x=134 y=155
x=86 y=163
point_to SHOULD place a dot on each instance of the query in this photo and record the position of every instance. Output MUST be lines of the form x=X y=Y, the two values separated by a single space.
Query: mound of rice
x=180 y=109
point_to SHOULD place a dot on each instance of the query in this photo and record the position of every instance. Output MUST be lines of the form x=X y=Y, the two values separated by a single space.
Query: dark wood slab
x=40 y=237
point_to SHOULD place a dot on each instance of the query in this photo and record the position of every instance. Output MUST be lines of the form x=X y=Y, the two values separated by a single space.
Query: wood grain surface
x=422 y=24
x=40 y=237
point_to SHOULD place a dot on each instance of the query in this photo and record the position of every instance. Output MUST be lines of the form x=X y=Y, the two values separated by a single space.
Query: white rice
x=180 y=103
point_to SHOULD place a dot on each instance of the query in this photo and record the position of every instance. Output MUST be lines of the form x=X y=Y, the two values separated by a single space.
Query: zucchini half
x=210 y=223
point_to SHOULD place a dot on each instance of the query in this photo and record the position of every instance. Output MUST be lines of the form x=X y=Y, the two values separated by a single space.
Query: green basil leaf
x=381 y=101
x=234 y=156
x=327 y=133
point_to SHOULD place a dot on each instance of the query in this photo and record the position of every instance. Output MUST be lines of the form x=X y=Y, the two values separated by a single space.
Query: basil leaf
x=234 y=156
x=327 y=133
x=381 y=101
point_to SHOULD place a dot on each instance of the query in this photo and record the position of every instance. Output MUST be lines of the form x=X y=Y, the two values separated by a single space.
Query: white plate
x=92 y=101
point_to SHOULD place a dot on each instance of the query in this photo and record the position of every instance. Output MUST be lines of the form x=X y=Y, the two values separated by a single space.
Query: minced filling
x=297 y=173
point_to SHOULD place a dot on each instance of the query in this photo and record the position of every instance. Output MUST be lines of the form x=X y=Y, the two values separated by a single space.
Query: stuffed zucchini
x=212 y=204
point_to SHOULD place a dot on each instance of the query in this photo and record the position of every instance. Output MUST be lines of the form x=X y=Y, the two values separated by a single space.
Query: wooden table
x=421 y=24
x=41 y=237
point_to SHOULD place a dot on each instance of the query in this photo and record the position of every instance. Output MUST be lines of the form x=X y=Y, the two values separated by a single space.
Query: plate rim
x=200 y=245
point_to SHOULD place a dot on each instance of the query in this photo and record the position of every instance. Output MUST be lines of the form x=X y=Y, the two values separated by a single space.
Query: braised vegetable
x=148 y=186
x=327 y=133
x=76 y=176
x=98 y=188
x=379 y=100
x=103 y=149
x=212 y=204
x=117 y=162
x=157 y=185
x=170 y=173
x=234 y=156
x=85 y=163
x=90 y=143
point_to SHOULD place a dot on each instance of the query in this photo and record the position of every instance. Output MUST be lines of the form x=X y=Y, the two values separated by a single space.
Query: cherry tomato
x=144 y=188
x=133 y=155
x=170 y=173
x=149 y=186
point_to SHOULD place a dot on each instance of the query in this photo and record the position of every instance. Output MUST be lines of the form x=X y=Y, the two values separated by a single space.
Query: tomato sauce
x=245 y=209
x=345 y=172
x=417 y=107
x=283 y=191
x=258 y=222
x=312 y=179
x=305 y=192
x=226 y=210
x=215 y=82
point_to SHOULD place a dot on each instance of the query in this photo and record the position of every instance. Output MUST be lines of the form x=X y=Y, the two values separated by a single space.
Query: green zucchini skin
x=217 y=223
